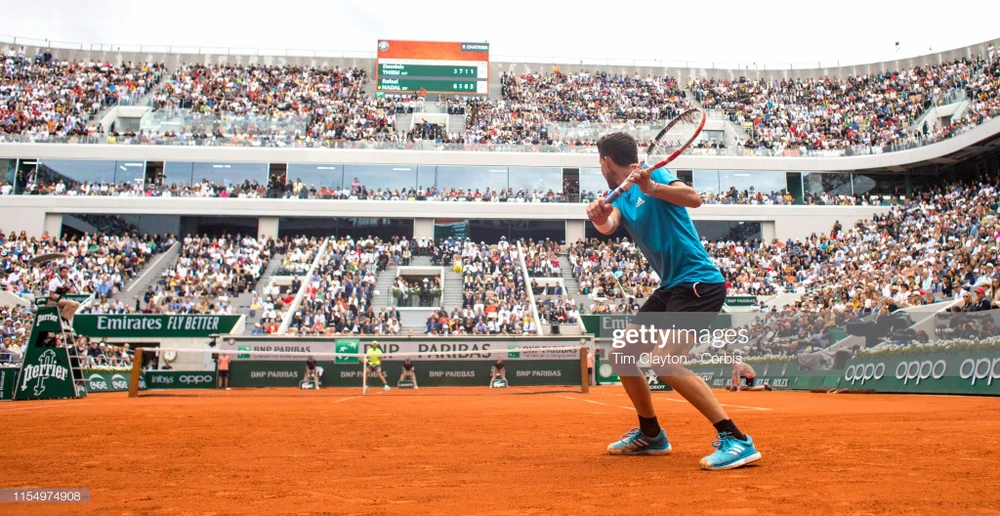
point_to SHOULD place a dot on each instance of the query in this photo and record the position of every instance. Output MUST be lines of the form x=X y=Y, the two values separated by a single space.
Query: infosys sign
x=180 y=379
x=937 y=373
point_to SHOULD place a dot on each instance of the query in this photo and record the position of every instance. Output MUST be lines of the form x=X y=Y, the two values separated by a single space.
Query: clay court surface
x=473 y=451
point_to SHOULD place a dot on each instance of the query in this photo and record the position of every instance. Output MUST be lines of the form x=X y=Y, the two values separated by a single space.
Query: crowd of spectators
x=494 y=298
x=297 y=189
x=340 y=293
x=615 y=270
x=209 y=273
x=330 y=102
x=48 y=97
x=865 y=113
x=290 y=105
x=15 y=328
x=98 y=264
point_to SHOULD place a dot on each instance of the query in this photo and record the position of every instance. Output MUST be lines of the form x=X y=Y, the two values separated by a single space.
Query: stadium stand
x=209 y=273
x=299 y=106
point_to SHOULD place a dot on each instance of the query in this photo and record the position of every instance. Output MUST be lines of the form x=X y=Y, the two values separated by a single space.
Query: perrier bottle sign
x=45 y=372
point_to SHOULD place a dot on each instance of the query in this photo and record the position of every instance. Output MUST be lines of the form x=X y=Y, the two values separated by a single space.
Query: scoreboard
x=408 y=66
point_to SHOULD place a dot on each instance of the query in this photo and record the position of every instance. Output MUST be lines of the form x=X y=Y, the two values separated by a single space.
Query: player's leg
x=67 y=309
x=733 y=447
x=385 y=383
x=648 y=438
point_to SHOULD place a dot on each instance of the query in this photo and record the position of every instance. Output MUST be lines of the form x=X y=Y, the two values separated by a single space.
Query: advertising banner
x=153 y=326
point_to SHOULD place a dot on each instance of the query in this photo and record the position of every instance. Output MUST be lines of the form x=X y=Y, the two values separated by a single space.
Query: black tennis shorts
x=224 y=373
x=749 y=380
x=687 y=297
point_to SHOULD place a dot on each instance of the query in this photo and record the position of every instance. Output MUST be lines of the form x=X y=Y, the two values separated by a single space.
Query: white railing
x=527 y=286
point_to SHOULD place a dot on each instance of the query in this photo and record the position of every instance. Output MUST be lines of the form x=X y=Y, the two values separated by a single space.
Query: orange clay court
x=476 y=451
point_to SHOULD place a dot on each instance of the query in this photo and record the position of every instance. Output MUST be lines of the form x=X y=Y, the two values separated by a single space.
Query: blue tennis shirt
x=667 y=237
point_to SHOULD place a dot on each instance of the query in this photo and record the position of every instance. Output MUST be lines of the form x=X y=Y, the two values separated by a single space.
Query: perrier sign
x=45 y=372
x=163 y=326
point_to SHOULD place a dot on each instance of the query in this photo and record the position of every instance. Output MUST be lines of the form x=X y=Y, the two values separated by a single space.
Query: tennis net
x=355 y=364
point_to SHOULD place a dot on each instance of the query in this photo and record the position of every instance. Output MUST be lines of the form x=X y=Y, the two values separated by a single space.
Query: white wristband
x=607 y=227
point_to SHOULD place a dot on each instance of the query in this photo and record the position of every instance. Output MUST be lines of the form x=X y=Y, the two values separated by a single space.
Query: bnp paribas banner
x=442 y=362
x=466 y=373
x=924 y=369
x=153 y=326
x=452 y=348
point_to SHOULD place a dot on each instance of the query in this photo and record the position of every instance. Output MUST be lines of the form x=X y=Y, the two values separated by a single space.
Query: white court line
x=344 y=399
x=748 y=407
x=33 y=406
x=599 y=403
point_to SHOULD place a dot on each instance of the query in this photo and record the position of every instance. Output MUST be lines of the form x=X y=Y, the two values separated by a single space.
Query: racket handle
x=613 y=195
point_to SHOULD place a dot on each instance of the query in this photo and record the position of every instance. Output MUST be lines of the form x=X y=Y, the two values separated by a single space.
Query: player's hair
x=620 y=147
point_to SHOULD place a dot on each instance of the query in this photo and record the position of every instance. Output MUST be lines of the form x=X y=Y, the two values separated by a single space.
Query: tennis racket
x=677 y=136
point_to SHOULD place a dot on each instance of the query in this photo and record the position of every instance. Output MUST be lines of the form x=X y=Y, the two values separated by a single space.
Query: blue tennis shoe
x=730 y=453
x=634 y=442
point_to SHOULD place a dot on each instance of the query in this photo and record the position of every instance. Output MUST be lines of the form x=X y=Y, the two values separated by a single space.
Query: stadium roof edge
x=723 y=68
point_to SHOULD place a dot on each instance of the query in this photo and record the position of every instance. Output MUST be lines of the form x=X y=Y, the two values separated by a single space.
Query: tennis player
x=743 y=371
x=654 y=211
x=499 y=371
x=408 y=372
x=312 y=372
x=373 y=361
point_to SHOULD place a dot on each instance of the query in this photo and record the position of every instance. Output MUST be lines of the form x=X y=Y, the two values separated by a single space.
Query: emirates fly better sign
x=148 y=326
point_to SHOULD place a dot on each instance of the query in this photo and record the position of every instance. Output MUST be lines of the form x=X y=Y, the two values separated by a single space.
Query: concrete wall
x=268 y=227
x=31 y=212
x=423 y=228
x=472 y=158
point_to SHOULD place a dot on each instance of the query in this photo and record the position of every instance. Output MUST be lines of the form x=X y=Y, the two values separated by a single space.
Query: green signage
x=8 y=378
x=180 y=379
x=603 y=326
x=446 y=86
x=263 y=373
x=153 y=326
x=390 y=70
x=741 y=300
x=45 y=371
x=347 y=346
x=938 y=373
x=109 y=381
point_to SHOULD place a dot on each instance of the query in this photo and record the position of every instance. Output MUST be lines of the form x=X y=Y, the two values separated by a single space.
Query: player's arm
x=666 y=187
x=606 y=218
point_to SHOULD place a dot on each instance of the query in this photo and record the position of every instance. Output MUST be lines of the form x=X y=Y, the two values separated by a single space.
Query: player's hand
x=599 y=211
x=640 y=178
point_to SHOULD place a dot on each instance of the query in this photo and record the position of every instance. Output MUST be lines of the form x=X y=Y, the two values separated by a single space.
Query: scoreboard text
x=409 y=66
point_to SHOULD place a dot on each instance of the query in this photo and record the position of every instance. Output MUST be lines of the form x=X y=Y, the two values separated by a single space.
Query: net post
x=133 y=385
x=584 y=376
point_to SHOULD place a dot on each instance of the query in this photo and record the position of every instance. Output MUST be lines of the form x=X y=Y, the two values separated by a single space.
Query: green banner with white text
x=153 y=326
